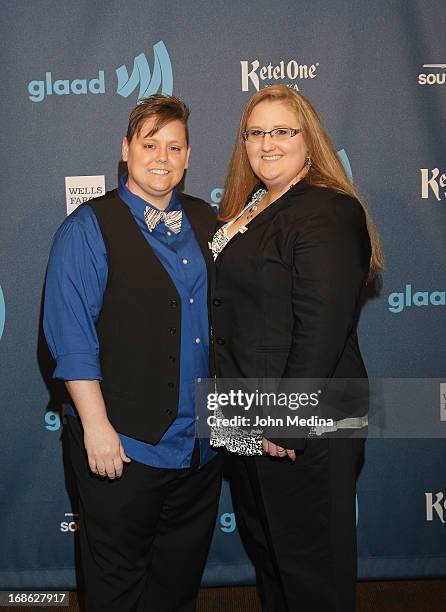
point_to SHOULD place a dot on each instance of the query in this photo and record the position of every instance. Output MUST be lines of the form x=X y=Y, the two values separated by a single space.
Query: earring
x=308 y=161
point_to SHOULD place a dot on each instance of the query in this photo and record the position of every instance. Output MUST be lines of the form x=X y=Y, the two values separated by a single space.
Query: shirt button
x=185 y=261
x=198 y=380
x=169 y=233
x=191 y=300
x=197 y=340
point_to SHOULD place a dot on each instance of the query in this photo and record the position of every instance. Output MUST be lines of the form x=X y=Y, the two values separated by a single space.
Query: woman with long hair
x=293 y=256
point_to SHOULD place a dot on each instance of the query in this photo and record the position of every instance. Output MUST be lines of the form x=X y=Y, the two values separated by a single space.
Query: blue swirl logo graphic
x=160 y=80
x=346 y=163
x=2 y=312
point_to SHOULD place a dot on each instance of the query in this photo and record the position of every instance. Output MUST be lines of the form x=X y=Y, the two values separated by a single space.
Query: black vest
x=139 y=326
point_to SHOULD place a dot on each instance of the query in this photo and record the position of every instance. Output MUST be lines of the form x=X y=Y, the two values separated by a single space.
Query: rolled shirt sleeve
x=75 y=284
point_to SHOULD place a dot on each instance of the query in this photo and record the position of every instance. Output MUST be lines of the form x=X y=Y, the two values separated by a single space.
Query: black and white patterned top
x=220 y=239
x=233 y=438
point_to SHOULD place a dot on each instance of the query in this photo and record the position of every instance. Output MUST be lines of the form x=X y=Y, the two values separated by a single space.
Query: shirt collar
x=137 y=204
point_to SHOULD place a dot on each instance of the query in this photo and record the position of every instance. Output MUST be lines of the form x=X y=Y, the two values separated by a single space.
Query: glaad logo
x=62 y=87
x=2 y=312
x=431 y=184
x=160 y=80
x=70 y=525
x=227 y=522
x=433 y=78
x=399 y=300
x=436 y=506
x=293 y=71
x=53 y=422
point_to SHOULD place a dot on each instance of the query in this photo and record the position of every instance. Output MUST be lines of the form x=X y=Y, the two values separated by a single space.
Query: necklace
x=251 y=212
x=260 y=195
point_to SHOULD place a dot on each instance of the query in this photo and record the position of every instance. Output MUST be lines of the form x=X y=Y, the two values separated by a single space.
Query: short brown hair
x=164 y=108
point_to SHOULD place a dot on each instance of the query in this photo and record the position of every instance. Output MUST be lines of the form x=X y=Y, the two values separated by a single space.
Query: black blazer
x=287 y=293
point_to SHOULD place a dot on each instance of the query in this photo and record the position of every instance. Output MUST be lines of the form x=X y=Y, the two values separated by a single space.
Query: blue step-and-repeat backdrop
x=72 y=71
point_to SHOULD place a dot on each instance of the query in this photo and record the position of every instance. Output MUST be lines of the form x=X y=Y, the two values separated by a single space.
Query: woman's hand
x=269 y=448
x=102 y=443
x=104 y=450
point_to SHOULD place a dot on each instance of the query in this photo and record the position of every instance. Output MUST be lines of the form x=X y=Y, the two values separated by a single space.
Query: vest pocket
x=278 y=348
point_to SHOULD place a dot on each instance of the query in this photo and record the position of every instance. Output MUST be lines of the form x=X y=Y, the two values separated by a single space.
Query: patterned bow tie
x=172 y=220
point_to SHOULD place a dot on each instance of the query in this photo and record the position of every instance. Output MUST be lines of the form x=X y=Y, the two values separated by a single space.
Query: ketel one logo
x=433 y=183
x=290 y=72
x=161 y=79
x=435 y=506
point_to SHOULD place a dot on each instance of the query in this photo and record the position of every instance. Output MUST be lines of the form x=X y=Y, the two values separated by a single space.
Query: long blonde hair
x=326 y=171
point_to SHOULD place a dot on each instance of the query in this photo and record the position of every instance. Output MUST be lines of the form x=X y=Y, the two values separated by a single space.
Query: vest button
x=216 y=302
x=171 y=385
x=169 y=411
x=172 y=358
x=221 y=341
x=173 y=303
x=173 y=330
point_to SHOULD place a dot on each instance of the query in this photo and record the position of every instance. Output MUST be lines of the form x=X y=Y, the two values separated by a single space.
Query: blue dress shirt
x=75 y=285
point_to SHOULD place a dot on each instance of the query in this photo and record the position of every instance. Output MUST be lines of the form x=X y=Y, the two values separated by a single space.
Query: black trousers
x=143 y=538
x=298 y=524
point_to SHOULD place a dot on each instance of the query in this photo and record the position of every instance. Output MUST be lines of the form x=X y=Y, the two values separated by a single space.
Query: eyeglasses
x=279 y=133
